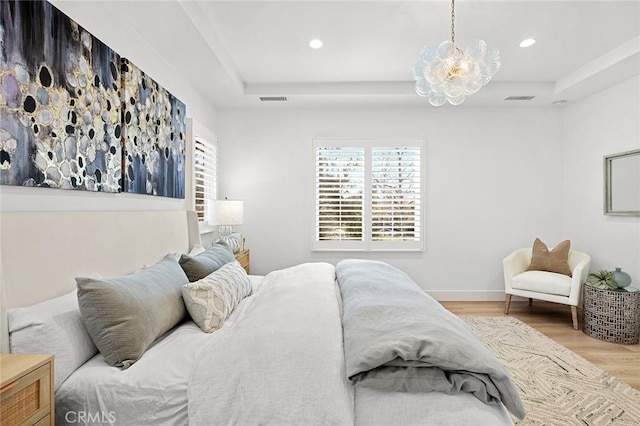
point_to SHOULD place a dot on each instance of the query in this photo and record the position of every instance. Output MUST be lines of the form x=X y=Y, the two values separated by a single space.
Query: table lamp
x=227 y=213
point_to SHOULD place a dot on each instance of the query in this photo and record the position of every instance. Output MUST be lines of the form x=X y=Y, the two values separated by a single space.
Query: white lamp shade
x=227 y=213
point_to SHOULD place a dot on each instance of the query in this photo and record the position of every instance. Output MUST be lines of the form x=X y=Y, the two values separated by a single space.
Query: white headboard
x=41 y=253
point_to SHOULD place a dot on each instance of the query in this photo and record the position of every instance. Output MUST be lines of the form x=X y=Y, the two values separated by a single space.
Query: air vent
x=273 y=98
x=519 y=98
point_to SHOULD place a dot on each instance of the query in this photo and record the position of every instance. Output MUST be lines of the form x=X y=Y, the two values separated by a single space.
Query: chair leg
x=574 y=316
x=530 y=302
x=507 y=302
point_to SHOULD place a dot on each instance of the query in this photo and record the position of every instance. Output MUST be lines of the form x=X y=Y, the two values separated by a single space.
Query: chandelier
x=446 y=73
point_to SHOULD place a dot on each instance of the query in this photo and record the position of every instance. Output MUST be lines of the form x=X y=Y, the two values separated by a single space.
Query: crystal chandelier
x=446 y=73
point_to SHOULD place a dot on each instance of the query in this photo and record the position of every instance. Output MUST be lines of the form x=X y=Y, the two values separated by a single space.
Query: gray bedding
x=398 y=338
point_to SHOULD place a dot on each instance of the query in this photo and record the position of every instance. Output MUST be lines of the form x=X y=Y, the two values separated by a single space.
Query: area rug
x=557 y=386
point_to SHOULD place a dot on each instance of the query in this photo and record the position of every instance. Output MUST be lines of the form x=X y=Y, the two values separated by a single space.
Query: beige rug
x=557 y=386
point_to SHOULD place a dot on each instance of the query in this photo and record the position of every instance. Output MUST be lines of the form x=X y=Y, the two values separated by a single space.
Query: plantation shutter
x=205 y=177
x=395 y=194
x=339 y=193
x=368 y=194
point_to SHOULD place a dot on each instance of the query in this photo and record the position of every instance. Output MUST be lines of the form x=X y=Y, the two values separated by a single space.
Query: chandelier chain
x=453 y=28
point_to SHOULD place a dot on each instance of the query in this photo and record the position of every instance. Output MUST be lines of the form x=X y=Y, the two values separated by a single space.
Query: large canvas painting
x=59 y=102
x=154 y=136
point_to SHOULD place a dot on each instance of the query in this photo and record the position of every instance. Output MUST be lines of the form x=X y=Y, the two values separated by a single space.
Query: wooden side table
x=612 y=315
x=26 y=389
x=243 y=258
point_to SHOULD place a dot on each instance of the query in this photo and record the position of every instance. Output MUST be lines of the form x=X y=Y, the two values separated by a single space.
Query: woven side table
x=612 y=315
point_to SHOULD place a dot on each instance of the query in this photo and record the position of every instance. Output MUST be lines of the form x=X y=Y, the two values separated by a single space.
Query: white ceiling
x=235 y=51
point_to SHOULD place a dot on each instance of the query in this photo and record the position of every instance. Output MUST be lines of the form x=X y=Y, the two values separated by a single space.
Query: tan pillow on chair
x=556 y=260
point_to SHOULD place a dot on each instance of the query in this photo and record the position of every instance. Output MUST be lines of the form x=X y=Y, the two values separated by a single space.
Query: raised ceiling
x=233 y=52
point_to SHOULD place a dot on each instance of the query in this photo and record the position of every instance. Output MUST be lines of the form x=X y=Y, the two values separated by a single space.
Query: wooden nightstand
x=26 y=389
x=243 y=258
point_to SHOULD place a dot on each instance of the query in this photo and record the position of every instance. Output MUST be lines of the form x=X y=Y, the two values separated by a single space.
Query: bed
x=288 y=352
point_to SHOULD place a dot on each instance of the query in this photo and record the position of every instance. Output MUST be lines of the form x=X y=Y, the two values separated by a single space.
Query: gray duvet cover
x=398 y=338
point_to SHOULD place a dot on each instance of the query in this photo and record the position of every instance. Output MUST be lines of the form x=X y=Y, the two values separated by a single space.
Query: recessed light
x=316 y=43
x=527 y=42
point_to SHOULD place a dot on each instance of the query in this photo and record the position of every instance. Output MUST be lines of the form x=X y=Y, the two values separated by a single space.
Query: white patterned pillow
x=211 y=299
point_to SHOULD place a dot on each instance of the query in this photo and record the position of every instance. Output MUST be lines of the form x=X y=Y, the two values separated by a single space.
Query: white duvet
x=282 y=363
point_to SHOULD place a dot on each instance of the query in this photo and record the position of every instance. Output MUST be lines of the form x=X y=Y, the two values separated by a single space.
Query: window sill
x=204 y=228
x=369 y=250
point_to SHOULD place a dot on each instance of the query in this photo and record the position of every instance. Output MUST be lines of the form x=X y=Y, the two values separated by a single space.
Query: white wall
x=496 y=178
x=602 y=124
x=493 y=184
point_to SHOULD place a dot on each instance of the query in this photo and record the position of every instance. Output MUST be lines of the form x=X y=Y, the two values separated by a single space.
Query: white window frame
x=206 y=141
x=367 y=244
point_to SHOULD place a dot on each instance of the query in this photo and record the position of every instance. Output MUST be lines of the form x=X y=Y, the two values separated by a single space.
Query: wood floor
x=554 y=320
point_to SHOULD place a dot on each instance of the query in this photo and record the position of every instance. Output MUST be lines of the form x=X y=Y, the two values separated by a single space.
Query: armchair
x=543 y=285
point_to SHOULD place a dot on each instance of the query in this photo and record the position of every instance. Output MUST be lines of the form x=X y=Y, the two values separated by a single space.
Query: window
x=205 y=184
x=368 y=194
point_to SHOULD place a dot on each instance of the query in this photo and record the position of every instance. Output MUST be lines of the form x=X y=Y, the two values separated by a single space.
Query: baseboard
x=467 y=296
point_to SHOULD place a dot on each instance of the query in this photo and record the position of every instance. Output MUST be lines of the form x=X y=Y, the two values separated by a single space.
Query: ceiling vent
x=519 y=98
x=273 y=98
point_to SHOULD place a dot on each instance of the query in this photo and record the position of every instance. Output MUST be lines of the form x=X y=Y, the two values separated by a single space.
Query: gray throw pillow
x=198 y=267
x=125 y=315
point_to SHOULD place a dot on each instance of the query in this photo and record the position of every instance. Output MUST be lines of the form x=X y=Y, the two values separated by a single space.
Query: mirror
x=622 y=183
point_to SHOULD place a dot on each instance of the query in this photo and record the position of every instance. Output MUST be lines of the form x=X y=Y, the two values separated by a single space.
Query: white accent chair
x=543 y=285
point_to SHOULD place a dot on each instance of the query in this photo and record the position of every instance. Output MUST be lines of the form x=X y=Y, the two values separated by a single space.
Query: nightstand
x=243 y=258
x=26 y=389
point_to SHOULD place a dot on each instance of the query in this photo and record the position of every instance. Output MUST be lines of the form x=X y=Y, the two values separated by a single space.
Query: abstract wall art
x=154 y=136
x=60 y=105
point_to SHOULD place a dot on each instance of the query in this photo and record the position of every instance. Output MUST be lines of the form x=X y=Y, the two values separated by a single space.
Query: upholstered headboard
x=41 y=253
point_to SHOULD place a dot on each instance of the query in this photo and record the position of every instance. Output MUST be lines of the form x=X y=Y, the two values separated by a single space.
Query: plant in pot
x=602 y=279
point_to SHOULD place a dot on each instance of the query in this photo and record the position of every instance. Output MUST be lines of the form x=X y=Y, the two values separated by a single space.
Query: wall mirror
x=622 y=183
